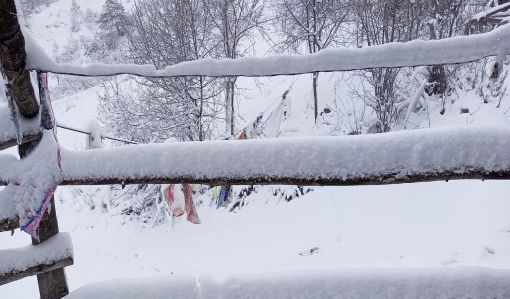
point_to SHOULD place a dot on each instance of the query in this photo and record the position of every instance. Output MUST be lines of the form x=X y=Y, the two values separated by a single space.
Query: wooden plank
x=392 y=158
x=37 y=270
x=52 y=254
x=29 y=128
x=12 y=141
x=387 y=179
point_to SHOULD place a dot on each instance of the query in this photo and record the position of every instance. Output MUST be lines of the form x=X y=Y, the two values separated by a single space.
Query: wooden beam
x=52 y=284
x=13 y=56
x=30 y=260
x=36 y=270
x=5 y=144
x=391 y=55
x=386 y=179
x=391 y=158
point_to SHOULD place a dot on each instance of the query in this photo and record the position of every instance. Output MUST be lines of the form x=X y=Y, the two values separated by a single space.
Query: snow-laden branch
x=491 y=11
x=391 y=158
x=415 y=53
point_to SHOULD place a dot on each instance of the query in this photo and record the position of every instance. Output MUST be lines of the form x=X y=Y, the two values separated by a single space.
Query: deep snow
x=445 y=225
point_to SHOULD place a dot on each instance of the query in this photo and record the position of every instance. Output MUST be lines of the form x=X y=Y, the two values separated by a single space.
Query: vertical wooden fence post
x=52 y=285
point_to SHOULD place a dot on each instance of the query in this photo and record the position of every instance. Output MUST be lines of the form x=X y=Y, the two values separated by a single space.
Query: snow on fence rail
x=414 y=53
x=390 y=158
x=19 y=263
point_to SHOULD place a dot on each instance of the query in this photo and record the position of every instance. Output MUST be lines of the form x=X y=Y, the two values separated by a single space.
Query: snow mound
x=360 y=283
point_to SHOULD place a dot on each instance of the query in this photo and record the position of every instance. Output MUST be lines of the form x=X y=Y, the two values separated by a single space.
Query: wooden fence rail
x=390 y=158
x=454 y=50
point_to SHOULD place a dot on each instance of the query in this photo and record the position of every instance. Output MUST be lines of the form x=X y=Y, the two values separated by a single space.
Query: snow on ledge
x=414 y=53
x=55 y=249
x=350 y=283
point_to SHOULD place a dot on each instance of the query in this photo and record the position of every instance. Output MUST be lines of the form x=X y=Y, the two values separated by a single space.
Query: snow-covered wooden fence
x=401 y=157
x=50 y=252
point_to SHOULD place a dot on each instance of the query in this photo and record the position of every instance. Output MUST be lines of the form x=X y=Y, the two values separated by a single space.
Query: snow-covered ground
x=441 y=224
x=408 y=226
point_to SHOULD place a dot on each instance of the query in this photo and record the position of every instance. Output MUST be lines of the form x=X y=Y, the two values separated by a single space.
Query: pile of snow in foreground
x=381 y=283
x=463 y=223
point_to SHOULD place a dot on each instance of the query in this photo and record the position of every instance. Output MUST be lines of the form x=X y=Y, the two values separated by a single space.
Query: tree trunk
x=437 y=73
x=315 y=95
x=229 y=106
x=228 y=109
x=13 y=55
x=201 y=136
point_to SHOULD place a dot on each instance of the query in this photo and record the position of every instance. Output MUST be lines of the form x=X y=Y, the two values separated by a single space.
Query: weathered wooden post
x=12 y=51
x=53 y=284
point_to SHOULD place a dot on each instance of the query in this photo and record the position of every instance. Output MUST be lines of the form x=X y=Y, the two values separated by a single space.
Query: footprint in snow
x=310 y=252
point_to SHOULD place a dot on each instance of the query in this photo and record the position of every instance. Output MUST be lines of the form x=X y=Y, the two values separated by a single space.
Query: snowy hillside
x=427 y=225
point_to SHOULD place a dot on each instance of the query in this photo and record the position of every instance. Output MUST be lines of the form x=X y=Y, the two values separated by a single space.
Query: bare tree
x=234 y=22
x=380 y=22
x=314 y=24
x=166 y=32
